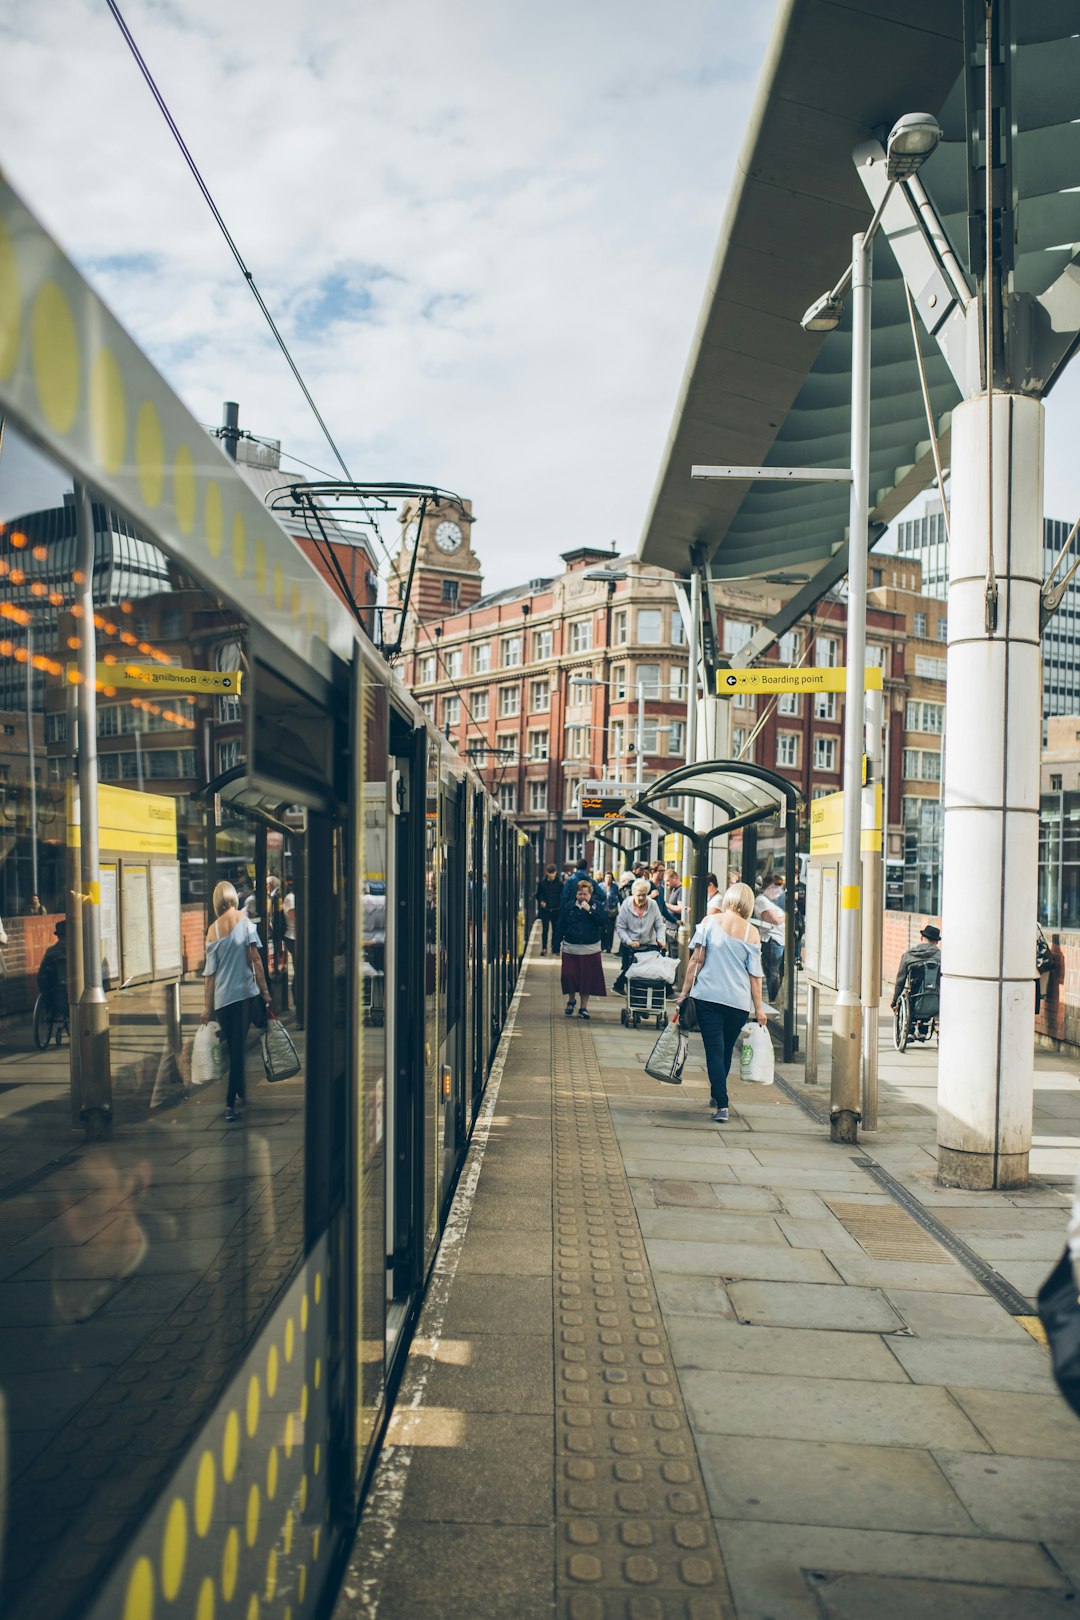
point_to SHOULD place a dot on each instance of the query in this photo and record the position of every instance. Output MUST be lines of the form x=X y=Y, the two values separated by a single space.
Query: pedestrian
x=928 y=951
x=233 y=976
x=581 y=874
x=580 y=926
x=673 y=901
x=288 y=912
x=612 y=902
x=639 y=926
x=274 y=905
x=712 y=887
x=548 y=902
x=724 y=973
x=35 y=908
x=769 y=917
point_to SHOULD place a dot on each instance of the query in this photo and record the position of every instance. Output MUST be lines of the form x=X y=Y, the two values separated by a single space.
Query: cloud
x=484 y=229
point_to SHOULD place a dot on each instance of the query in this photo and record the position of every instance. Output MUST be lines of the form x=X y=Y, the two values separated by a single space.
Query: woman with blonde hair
x=233 y=977
x=724 y=973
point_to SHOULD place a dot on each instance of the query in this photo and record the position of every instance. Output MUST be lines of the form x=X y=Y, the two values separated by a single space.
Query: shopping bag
x=651 y=965
x=756 y=1062
x=1059 y=1312
x=668 y=1057
x=278 y=1052
x=209 y=1059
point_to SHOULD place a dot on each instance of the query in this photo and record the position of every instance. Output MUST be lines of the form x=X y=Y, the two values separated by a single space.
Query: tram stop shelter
x=721 y=797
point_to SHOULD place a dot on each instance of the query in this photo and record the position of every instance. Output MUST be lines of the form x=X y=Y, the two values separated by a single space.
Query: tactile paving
x=634 y=1539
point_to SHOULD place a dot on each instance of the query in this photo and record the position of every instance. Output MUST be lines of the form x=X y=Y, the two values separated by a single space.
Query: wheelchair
x=916 y=1012
x=50 y=1019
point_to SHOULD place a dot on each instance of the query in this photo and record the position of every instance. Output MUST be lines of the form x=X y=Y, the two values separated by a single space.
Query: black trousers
x=720 y=1028
x=549 y=921
x=234 y=1025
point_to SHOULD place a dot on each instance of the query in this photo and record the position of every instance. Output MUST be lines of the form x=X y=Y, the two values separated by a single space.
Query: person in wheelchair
x=919 y=974
x=52 y=974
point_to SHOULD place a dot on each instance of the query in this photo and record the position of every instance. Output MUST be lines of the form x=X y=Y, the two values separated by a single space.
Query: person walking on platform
x=612 y=902
x=639 y=926
x=548 y=903
x=580 y=925
x=233 y=976
x=581 y=874
x=724 y=973
x=769 y=916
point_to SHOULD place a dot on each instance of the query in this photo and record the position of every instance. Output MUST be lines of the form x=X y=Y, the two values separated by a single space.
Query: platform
x=667 y=1369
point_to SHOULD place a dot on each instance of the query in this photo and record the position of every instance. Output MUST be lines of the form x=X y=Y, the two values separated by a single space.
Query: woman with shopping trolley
x=638 y=926
x=724 y=974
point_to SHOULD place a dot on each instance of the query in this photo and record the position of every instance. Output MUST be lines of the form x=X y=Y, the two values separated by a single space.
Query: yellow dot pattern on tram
x=253 y=1400
x=251 y=1521
x=139 y=1598
x=271 y=1372
x=239 y=545
x=55 y=356
x=214 y=520
x=108 y=411
x=10 y=305
x=150 y=454
x=185 y=489
x=174 y=1549
x=205 y=1483
x=204 y=1609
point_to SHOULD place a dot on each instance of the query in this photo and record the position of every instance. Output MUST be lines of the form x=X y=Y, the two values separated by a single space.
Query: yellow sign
x=129 y=823
x=827 y=824
x=779 y=679
x=167 y=678
x=673 y=846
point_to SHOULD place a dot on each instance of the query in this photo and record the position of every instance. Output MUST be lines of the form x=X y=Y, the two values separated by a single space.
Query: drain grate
x=888 y=1233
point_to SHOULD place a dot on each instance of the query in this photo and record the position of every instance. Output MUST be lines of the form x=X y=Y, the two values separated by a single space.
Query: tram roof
x=757 y=389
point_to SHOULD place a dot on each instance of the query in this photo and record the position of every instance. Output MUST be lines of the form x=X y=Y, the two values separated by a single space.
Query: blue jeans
x=720 y=1028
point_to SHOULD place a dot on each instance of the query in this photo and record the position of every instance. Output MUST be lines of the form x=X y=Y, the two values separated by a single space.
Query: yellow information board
x=673 y=847
x=777 y=678
x=827 y=824
x=129 y=822
x=168 y=678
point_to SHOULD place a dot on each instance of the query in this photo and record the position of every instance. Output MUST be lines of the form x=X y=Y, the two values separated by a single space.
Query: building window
x=451 y=711
x=228 y=657
x=743 y=700
x=788 y=704
x=172 y=624
x=509 y=700
x=790 y=646
x=678 y=630
x=925 y=717
x=1055 y=784
x=577 y=742
x=575 y=847
x=618 y=738
x=787 y=748
x=538 y=745
x=740 y=748
x=506 y=794
x=618 y=683
x=480 y=658
x=943 y=629
x=876 y=578
x=922 y=856
x=510 y=652
x=540 y=697
x=825 y=706
x=542 y=645
x=581 y=636
x=922 y=765
x=919 y=629
x=930 y=669
x=826 y=652
x=481 y=705
x=538 y=796
x=875 y=655
x=425 y=669
x=736 y=634
x=506 y=748
x=677 y=738
x=821 y=792
x=648 y=680
x=647 y=739
x=677 y=691
x=427 y=708
x=618 y=628
x=648 y=626
x=450 y=592
x=453 y=660
x=56 y=728
x=228 y=755
x=825 y=754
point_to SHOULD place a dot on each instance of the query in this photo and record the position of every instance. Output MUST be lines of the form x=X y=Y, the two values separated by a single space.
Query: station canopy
x=742 y=793
x=760 y=391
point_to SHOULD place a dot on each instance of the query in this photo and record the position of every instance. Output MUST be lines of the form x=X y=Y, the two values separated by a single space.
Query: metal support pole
x=639 y=769
x=986 y=1048
x=31 y=757
x=689 y=916
x=92 y=1013
x=813 y=1024
x=873 y=876
x=749 y=856
x=847 y=1011
x=791 y=862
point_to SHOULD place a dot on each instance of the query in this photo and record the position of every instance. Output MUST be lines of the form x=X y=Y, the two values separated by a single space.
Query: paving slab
x=920 y=1275
x=822 y=1409
x=494 y=1303
x=812 y=1305
x=1017 y=1496
x=1022 y=1425
x=693 y=1296
x=767 y=1261
x=492 y=1372
x=826 y=1234
x=869 y=1487
x=853 y=1597
x=660 y=1168
x=968 y=1362
x=939 y=1316
x=444 y=1485
x=730 y=1346
x=704 y=1225
x=459 y=1571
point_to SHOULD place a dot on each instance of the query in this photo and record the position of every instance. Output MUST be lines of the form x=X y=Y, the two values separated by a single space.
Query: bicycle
x=48 y=1023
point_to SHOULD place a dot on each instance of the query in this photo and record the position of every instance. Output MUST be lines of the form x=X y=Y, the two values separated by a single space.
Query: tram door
x=453 y=944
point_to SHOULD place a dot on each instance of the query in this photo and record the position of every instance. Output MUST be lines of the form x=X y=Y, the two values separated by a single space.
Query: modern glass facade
x=922 y=855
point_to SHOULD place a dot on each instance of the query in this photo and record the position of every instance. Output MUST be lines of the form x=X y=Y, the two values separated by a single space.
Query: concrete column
x=991 y=798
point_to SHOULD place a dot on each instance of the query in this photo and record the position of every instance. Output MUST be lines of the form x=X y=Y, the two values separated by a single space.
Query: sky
x=484 y=229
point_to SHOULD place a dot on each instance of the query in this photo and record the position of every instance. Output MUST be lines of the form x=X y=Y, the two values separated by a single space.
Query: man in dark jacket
x=580 y=874
x=928 y=951
x=548 y=900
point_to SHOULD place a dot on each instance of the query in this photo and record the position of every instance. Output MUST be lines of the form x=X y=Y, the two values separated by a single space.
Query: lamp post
x=911 y=141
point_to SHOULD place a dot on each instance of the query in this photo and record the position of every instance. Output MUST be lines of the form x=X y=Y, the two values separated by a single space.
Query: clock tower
x=447 y=576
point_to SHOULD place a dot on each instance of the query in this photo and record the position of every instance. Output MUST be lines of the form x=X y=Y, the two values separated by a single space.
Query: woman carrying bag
x=724 y=973
x=234 y=978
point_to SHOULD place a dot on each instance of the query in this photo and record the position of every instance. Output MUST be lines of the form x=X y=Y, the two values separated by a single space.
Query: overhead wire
x=440 y=658
x=234 y=250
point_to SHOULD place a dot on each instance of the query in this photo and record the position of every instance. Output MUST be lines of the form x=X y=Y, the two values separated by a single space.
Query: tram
x=202 y=1322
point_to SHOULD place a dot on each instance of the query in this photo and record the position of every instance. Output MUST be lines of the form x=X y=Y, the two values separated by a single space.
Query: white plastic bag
x=651 y=965
x=756 y=1062
x=209 y=1059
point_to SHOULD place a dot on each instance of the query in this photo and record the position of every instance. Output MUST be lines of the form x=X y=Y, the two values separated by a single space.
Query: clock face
x=448 y=536
x=412 y=534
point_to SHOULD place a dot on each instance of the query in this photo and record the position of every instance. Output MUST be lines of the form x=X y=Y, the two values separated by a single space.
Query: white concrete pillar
x=991 y=799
